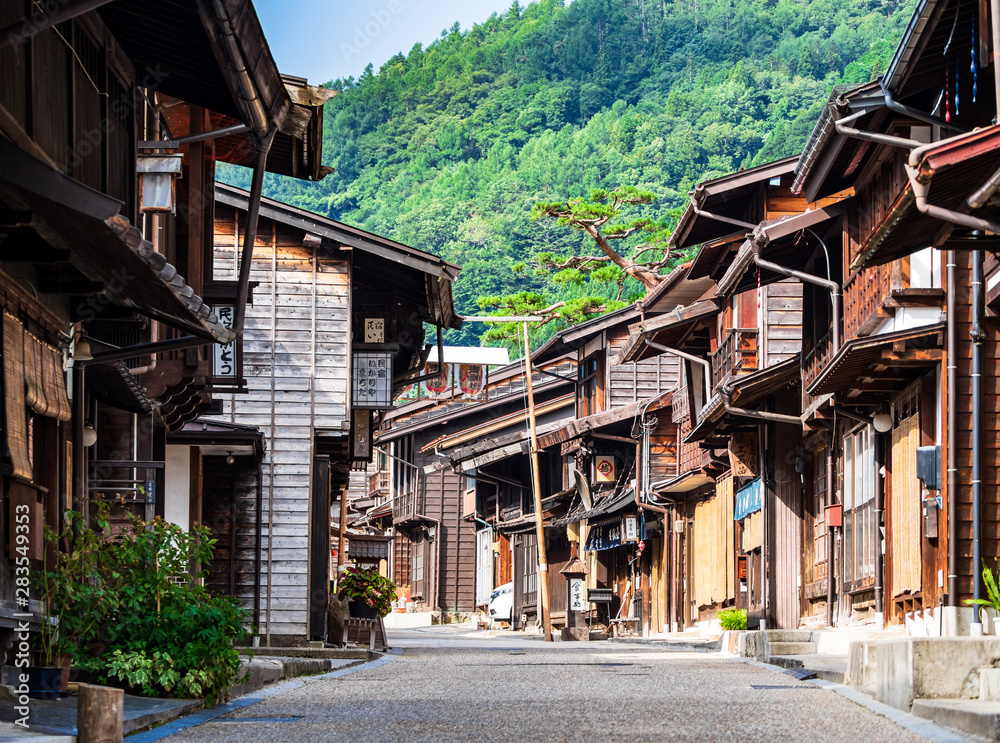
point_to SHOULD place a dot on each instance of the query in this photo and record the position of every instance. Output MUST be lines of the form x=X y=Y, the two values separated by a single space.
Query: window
x=859 y=508
x=819 y=520
x=591 y=385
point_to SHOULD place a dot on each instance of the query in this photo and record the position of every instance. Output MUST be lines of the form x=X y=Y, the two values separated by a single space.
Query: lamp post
x=536 y=486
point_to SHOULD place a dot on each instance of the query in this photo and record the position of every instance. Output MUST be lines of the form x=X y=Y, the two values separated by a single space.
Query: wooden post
x=100 y=714
x=342 y=538
x=543 y=565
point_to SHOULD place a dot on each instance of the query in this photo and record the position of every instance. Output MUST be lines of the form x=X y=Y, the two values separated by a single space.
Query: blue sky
x=323 y=40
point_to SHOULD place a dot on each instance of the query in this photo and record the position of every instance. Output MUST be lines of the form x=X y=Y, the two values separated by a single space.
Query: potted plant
x=47 y=680
x=992 y=600
x=367 y=593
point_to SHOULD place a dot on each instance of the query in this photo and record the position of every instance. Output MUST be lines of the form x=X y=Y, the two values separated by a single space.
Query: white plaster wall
x=177 y=477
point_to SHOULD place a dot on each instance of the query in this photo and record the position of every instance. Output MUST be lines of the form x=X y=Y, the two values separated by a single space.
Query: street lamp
x=536 y=489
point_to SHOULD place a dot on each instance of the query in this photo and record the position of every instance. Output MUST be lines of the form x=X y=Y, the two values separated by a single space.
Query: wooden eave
x=955 y=169
x=666 y=329
x=407 y=427
x=788 y=242
x=581 y=426
x=725 y=196
x=871 y=368
x=103 y=245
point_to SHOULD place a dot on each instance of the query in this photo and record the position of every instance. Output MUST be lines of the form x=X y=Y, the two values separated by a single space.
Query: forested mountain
x=448 y=147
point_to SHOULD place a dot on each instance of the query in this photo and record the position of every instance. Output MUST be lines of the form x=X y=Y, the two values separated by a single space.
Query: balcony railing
x=404 y=507
x=378 y=483
x=816 y=360
x=865 y=297
x=736 y=355
x=690 y=457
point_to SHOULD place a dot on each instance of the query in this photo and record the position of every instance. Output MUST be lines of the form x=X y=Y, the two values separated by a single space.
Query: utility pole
x=536 y=480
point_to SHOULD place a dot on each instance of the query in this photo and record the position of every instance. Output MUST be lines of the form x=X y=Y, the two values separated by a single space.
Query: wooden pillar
x=100 y=714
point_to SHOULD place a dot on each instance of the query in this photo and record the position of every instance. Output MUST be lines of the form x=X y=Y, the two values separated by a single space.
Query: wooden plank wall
x=785 y=520
x=714 y=555
x=783 y=330
x=991 y=435
x=402 y=554
x=456 y=538
x=296 y=364
x=629 y=383
x=663 y=448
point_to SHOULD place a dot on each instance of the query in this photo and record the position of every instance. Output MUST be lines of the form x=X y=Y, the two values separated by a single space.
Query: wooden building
x=460 y=486
x=333 y=333
x=741 y=354
x=111 y=122
x=905 y=389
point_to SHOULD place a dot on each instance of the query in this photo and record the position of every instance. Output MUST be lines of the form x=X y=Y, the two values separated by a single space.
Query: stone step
x=792 y=648
x=971 y=716
x=989 y=684
x=789 y=635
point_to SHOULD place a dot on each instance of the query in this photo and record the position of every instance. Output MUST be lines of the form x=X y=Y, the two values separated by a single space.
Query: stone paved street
x=446 y=687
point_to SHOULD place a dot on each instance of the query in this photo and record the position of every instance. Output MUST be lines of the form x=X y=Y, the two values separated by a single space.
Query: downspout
x=852 y=415
x=695 y=359
x=952 y=391
x=913 y=113
x=412 y=380
x=258 y=516
x=79 y=451
x=719 y=217
x=762 y=415
x=886 y=139
x=832 y=286
x=645 y=456
x=920 y=191
x=978 y=335
x=830 y=550
x=879 y=509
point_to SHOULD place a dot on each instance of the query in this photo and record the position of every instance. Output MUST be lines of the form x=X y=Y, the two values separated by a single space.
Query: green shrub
x=133 y=594
x=733 y=619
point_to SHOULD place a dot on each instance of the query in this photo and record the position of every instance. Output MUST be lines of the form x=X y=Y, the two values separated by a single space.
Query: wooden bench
x=365 y=631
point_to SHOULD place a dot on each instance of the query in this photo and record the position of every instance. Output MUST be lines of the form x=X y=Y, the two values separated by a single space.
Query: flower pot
x=996 y=626
x=361 y=610
x=63 y=661
x=45 y=682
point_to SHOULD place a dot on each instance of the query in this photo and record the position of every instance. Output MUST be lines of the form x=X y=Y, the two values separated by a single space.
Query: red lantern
x=642 y=546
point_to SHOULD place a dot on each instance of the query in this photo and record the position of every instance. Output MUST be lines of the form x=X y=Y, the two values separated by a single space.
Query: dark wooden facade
x=81 y=258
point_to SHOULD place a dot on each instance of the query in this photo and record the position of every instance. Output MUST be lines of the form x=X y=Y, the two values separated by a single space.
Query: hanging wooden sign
x=604 y=468
x=743 y=454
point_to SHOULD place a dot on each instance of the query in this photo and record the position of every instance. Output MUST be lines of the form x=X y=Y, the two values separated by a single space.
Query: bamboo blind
x=16 y=422
x=906 y=511
x=713 y=545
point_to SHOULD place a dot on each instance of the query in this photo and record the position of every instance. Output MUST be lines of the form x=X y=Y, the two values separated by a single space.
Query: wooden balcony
x=816 y=360
x=865 y=298
x=405 y=507
x=378 y=483
x=736 y=355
